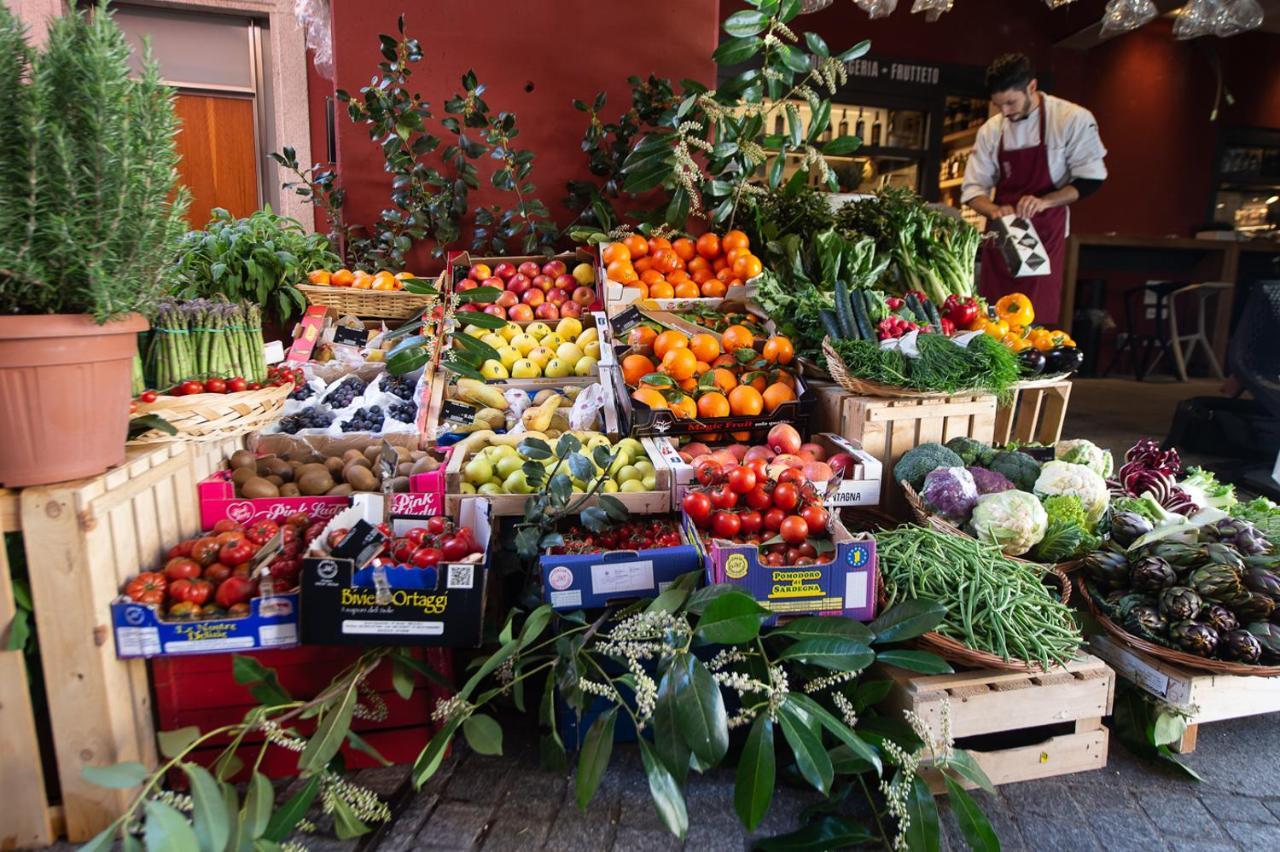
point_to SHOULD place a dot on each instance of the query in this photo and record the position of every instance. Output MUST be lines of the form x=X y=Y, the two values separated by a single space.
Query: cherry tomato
x=791 y=474
x=793 y=530
x=147 y=396
x=697 y=505
x=416 y=535
x=807 y=549
x=724 y=497
x=725 y=524
x=773 y=519
x=751 y=522
x=804 y=560
x=437 y=525
x=215 y=386
x=786 y=496
x=191 y=386
x=791 y=556
x=133 y=406
x=425 y=557
x=742 y=479
x=773 y=559
x=759 y=499
x=181 y=568
x=254 y=386
x=816 y=518
x=761 y=468
x=235 y=384
x=779 y=548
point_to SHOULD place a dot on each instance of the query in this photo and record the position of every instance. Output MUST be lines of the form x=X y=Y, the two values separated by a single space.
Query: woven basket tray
x=862 y=387
x=213 y=416
x=382 y=304
x=942 y=525
x=1170 y=655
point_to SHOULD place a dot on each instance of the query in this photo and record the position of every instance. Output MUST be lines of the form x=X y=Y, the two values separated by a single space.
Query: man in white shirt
x=1039 y=154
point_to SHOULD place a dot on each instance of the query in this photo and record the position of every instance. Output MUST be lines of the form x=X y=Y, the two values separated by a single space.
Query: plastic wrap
x=877 y=8
x=316 y=20
x=933 y=9
x=1121 y=16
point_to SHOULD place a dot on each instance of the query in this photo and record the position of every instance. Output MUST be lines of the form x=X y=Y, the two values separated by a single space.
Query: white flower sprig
x=364 y=803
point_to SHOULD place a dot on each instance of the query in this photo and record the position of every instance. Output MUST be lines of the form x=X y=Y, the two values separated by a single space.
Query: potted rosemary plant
x=89 y=221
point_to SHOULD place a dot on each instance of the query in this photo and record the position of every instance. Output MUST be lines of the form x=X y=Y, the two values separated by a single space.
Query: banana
x=538 y=418
x=488 y=396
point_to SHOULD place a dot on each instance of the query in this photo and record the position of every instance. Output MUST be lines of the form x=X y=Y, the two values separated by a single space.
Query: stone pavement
x=492 y=803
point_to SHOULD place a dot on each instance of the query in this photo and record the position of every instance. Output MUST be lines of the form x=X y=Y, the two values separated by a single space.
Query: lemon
x=475 y=331
x=569 y=328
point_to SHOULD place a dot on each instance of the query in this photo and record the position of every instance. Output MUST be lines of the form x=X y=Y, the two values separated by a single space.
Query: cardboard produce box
x=272 y=622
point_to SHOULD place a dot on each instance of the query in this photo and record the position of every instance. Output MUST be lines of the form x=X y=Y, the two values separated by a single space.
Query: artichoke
x=1178 y=603
x=1151 y=574
x=1194 y=637
x=1118 y=603
x=1262 y=581
x=1238 y=533
x=1176 y=553
x=1110 y=570
x=1219 y=618
x=1128 y=527
x=1241 y=646
x=1223 y=554
x=1216 y=582
x=1146 y=622
x=1255 y=607
x=1268 y=635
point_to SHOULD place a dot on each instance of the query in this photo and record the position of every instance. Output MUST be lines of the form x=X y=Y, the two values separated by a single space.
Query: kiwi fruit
x=373 y=452
x=315 y=483
x=275 y=480
x=358 y=460
x=241 y=475
x=343 y=490
x=424 y=465
x=350 y=455
x=262 y=468
x=310 y=467
x=243 y=458
x=400 y=485
x=280 y=468
x=334 y=465
x=417 y=454
x=359 y=477
x=259 y=487
x=290 y=489
x=404 y=469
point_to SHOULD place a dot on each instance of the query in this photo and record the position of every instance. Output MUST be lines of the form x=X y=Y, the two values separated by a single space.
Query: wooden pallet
x=1203 y=696
x=82 y=540
x=997 y=702
x=1035 y=413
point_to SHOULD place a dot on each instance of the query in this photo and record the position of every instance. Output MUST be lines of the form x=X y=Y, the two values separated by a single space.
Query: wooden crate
x=1035 y=412
x=1021 y=706
x=1203 y=696
x=83 y=539
x=887 y=428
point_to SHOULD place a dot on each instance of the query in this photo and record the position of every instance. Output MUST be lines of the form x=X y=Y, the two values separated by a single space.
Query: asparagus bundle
x=204 y=338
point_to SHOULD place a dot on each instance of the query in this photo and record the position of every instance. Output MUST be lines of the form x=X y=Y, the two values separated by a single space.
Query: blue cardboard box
x=272 y=622
x=583 y=581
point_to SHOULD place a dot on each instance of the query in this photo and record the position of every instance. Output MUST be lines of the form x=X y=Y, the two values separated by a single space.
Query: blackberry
x=342 y=394
x=365 y=420
x=303 y=392
x=400 y=386
x=403 y=411
x=308 y=418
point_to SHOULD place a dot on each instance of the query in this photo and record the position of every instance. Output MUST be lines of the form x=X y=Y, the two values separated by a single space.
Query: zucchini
x=862 y=313
x=844 y=315
x=828 y=318
x=921 y=318
x=935 y=319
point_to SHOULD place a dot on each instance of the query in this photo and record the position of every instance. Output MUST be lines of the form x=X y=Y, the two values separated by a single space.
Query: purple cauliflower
x=989 y=481
x=951 y=493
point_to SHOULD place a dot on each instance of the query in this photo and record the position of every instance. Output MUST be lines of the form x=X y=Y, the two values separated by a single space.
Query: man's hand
x=1029 y=206
x=1002 y=210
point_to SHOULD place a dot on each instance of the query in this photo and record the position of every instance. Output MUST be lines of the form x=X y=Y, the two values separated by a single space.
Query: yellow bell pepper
x=1041 y=338
x=1015 y=342
x=1015 y=309
x=996 y=328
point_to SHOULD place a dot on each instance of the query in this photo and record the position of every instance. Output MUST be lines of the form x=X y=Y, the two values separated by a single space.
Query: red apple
x=783 y=438
x=495 y=309
x=815 y=451
x=757 y=452
x=467 y=284
x=506 y=299
x=479 y=272
x=817 y=471
x=469 y=306
x=570 y=309
x=584 y=296
x=554 y=268
x=504 y=271
x=533 y=297
x=493 y=281
x=547 y=311
x=520 y=313
x=542 y=282
x=567 y=282
x=841 y=462
x=739 y=451
x=695 y=449
x=557 y=296
x=518 y=284
x=529 y=269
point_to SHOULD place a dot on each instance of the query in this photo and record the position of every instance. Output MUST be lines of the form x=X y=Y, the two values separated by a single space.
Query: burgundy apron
x=1026 y=172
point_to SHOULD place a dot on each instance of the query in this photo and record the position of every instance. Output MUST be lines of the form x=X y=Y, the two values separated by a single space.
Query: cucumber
x=921 y=318
x=844 y=314
x=862 y=314
x=829 y=323
x=935 y=319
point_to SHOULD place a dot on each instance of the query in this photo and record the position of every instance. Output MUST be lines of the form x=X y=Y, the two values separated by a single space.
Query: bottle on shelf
x=843 y=128
x=875 y=131
x=779 y=128
x=860 y=129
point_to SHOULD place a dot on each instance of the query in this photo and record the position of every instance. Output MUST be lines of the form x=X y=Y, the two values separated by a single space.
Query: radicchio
x=1150 y=469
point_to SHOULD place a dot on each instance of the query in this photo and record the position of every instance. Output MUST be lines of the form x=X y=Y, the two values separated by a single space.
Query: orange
x=705 y=346
x=725 y=379
x=684 y=407
x=776 y=394
x=643 y=264
x=688 y=385
x=384 y=280
x=701 y=276
x=664 y=260
x=679 y=364
x=615 y=268
x=713 y=405
x=684 y=248
x=702 y=367
x=642 y=287
x=740 y=437
x=713 y=289
x=342 y=278
x=747 y=266
x=778 y=350
x=745 y=400
x=735 y=239
x=657 y=243
x=650 y=397
x=733 y=254
x=635 y=368
x=668 y=340
x=662 y=290
x=677 y=276
x=727 y=361
x=719 y=265
x=759 y=382
x=733 y=282
x=637 y=245
x=724 y=275
x=615 y=252
x=641 y=337
x=709 y=246
x=319 y=276
x=784 y=378
x=687 y=290
x=651 y=276
x=362 y=281
x=737 y=337
x=698 y=262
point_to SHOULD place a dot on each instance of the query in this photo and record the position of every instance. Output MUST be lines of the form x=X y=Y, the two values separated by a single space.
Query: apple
x=479 y=272
x=695 y=449
x=787 y=460
x=533 y=297
x=783 y=438
x=518 y=284
x=469 y=306
x=495 y=282
x=724 y=457
x=556 y=296
x=542 y=282
x=816 y=471
x=547 y=311
x=841 y=463
x=739 y=451
x=506 y=299
x=566 y=282
x=584 y=296
x=757 y=452
x=554 y=268
x=495 y=309
x=520 y=313
x=814 y=451
x=529 y=269
x=504 y=271
x=467 y=284
x=570 y=309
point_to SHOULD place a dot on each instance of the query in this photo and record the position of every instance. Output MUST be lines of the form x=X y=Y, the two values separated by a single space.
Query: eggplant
x=1063 y=359
x=1031 y=361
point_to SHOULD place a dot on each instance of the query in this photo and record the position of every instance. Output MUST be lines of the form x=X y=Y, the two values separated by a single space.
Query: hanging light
x=1195 y=19
x=1122 y=16
x=1236 y=16
x=877 y=8
x=1058 y=4
x=933 y=9
x=810 y=6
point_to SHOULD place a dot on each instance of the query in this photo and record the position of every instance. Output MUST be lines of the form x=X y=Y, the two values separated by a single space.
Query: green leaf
x=483 y=734
x=775 y=170
x=411 y=662
x=1168 y=729
x=846 y=655
x=823 y=835
x=788 y=9
x=731 y=619
x=816 y=44
x=837 y=728
x=756 y=775
x=858 y=50
x=173 y=743
x=795 y=127
x=345 y=822
x=256 y=814
x=262 y=681
x=534 y=625
x=842 y=146
x=666 y=730
x=594 y=759
x=208 y=811
x=699 y=709
x=793 y=59
x=401 y=678
x=974 y=824
x=432 y=756
x=811 y=758
x=922 y=833
x=962 y=763
x=669 y=600
x=363 y=746
x=287 y=816
x=167 y=828
x=613 y=507
x=102 y=841
x=746 y=23
x=737 y=50
x=908 y=620
x=914 y=661
x=118 y=776
x=665 y=791
x=482 y=320
x=821 y=626
x=331 y=731
x=478 y=294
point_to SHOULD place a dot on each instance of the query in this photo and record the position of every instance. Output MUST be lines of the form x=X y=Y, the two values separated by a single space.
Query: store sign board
x=892 y=71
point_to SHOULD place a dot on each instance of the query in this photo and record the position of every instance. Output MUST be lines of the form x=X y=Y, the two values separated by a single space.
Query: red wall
x=562 y=50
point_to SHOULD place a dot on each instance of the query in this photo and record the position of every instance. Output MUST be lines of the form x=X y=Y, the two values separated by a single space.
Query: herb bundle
x=941 y=364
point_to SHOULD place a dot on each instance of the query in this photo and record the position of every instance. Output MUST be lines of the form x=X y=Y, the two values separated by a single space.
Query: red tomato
x=454 y=548
x=761 y=468
x=724 y=497
x=234 y=590
x=773 y=519
x=425 y=557
x=205 y=550
x=254 y=386
x=181 y=568
x=697 y=505
x=147 y=396
x=791 y=556
x=148 y=588
x=298 y=519
x=260 y=532
x=791 y=474
x=725 y=524
x=786 y=496
x=437 y=525
x=759 y=499
x=742 y=479
x=708 y=472
x=226 y=525
x=402 y=550
x=807 y=549
x=751 y=522
x=235 y=552
x=183 y=611
x=216 y=386
x=190 y=591
x=216 y=573
x=793 y=530
x=816 y=518
x=190 y=387
x=773 y=559
x=182 y=548
x=235 y=384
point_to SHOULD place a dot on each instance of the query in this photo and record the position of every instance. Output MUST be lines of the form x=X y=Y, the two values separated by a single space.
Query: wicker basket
x=380 y=304
x=942 y=525
x=1170 y=655
x=862 y=387
x=213 y=416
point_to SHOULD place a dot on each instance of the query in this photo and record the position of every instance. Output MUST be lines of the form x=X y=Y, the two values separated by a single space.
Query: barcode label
x=461 y=577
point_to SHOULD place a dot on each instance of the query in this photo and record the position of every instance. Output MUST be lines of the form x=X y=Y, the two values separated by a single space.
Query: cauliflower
x=1014 y=520
x=1067 y=509
x=1087 y=453
x=988 y=481
x=951 y=492
x=1060 y=477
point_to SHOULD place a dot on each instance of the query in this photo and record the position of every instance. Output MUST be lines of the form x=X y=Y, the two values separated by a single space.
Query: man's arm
x=988 y=208
x=982 y=172
x=1030 y=205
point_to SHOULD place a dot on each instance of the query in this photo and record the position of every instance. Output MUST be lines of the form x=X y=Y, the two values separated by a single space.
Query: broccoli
x=916 y=463
x=973 y=452
x=1018 y=468
x=1067 y=509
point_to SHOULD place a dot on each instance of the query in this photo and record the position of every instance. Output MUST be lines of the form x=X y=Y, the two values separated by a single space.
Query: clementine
x=679 y=363
x=779 y=350
x=737 y=337
x=705 y=346
x=709 y=246
x=776 y=394
x=615 y=252
x=650 y=397
x=637 y=245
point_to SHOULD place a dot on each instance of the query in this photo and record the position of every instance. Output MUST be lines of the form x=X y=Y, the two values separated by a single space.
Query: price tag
x=350 y=336
x=462 y=413
x=625 y=321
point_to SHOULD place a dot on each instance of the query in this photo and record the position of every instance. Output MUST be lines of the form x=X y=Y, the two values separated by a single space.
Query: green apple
x=568 y=352
x=644 y=466
x=540 y=355
x=466 y=488
x=524 y=343
x=509 y=331
x=591 y=349
x=508 y=356
x=491 y=489
x=497 y=341
x=508 y=465
x=552 y=341
x=621 y=460
x=516 y=483
x=538 y=330
x=650 y=482
x=627 y=473
x=569 y=328
x=630 y=486
x=597 y=441
x=634 y=447
x=525 y=369
x=586 y=366
x=478 y=470
x=584 y=274
x=609 y=487
x=492 y=369
x=557 y=369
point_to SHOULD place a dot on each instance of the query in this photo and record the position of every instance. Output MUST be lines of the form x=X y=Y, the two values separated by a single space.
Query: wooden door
x=219 y=157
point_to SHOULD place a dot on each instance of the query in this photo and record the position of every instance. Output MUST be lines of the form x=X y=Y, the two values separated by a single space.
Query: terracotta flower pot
x=64 y=395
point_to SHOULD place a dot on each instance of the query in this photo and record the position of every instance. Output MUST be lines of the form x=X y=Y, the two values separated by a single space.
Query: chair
x=1203 y=292
x=1140 y=343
